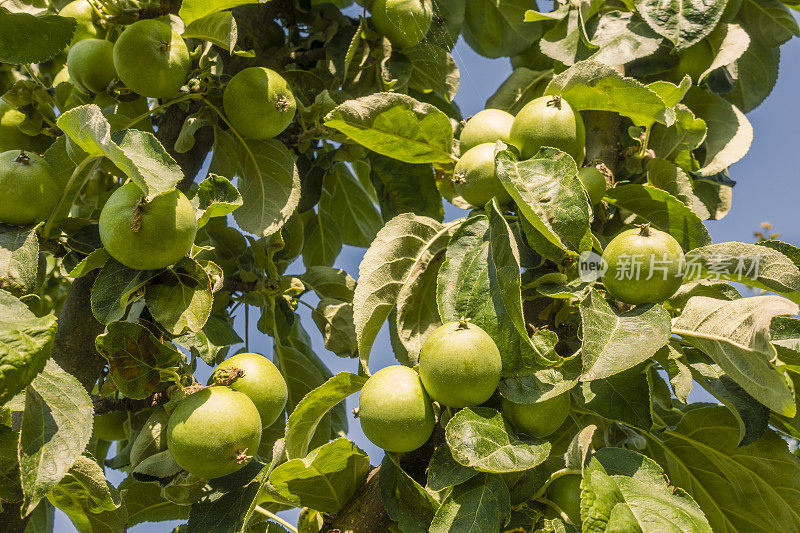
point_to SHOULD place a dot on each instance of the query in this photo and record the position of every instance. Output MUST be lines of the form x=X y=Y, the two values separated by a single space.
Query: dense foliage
x=163 y=166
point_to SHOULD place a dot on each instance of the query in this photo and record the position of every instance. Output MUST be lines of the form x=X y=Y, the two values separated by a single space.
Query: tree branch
x=73 y=345
x=107 y=405
x=602 y=134
x=364 y=512
x=170 y=124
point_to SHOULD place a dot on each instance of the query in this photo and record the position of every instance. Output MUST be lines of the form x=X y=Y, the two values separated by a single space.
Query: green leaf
x=615 y=341
x=751 y=264
x=625 y=491
x=10 y=487
x=506 y=260
x=269 y=184
x=623 y=397
x=58 y=156
x=404 y=244
x=466 y=289
x=445 y=472
x=216 y=197
x=217 y=28
x=495 y=29
x=306 y=416
x=622 y=37
x=144 y=503
x=96 y=259
x=480 y=438
x=25 y=343
x=432 y=70
x=137 y=360
x=405 y=188
x=589 y=85
x=325 y=479
x=322 y=239
x=532 y=386
x=735 y=334
x=56 y=427
x=329 y=282
x=397 y=126
x=769 y=21
x=729 y=41
x=477 y=506
x=521 y=86
x=740 y=489
x=334 y=319
x=663 y=211
x=152 y=437
x=136 y=153
x=53 y=34
x=90 y=502
x=681 y=21
x=115 y=288
x=668 y=176
x=757 y=73
x=687 y=133
x=180 y=298
x=417 y=313
x=753 y=416
x=226 y=510
x=192 y=10
x=406 y=502
x=729 y=132
x=19 y=259
x=548 y=194
x=349 y=205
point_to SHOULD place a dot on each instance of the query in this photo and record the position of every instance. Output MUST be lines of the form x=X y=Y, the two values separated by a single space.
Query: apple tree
x=172 y=171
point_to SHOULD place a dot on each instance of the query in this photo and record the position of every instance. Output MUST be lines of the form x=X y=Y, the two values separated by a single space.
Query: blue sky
x=766 y=179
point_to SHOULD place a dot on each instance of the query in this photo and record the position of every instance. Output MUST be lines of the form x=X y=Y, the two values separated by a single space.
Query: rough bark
x=364 y=512
x=169 y=128
x=73 y=345
x=602 y=134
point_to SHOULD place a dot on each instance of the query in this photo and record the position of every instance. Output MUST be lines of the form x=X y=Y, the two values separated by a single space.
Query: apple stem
x=555 y=101
x=463 y=323
x=644 y=229
x=23 y=158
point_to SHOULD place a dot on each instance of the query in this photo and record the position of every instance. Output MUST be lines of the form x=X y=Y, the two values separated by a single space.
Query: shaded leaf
x=137 y=360
x=325 y=479
x=480 y=438
x=56 y=427
x=615 y=341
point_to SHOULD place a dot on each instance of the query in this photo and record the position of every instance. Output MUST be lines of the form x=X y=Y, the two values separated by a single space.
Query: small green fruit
x=258 y=378
x=475 y=178
x=565 y=492
x=111 y=426
x=91 y=65
x=460 y=365
x=403 y=22
x=30 y=191
x=537 y=419
x=549 y=121
x=487 y=126
x=147 y=235
x=84 y=15
x=151 y=59
x=11 y=138
x=214 y=432
x=644 y=266
x=395 y=411
x=259 y=103
x=594 y=182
